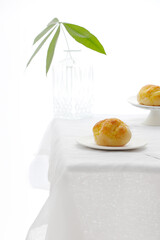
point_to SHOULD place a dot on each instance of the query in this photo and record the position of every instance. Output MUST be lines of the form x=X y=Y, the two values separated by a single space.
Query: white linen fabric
x=97 y=194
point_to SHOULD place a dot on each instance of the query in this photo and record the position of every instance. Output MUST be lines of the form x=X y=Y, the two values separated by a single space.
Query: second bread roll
x=149 y=95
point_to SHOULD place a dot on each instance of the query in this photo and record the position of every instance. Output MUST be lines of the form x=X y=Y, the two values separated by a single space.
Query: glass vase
x=72 y=86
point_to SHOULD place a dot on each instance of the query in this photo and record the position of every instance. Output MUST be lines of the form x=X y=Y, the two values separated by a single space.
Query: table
x=95 y=194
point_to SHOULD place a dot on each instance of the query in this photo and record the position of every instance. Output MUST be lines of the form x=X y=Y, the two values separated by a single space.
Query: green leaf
x=84 y=37
x=51 y=49
x=39 y=47
x=54 y=21
x=40 y=35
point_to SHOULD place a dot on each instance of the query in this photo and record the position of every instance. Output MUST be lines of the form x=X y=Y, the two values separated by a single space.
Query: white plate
x=153 y=118
x=133 y=100
x=88 y=141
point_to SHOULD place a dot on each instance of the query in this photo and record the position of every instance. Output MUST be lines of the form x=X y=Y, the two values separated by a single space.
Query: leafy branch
x=80 y=34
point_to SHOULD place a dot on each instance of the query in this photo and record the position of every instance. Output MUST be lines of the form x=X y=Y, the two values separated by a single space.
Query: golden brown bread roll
x=111 y=132
x=149 y=95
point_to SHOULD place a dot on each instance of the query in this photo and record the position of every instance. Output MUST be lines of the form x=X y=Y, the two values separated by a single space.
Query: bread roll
x=111 y=132
x=149 y=95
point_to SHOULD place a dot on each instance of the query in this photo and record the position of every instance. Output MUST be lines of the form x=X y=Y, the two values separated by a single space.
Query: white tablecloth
x=113 y=195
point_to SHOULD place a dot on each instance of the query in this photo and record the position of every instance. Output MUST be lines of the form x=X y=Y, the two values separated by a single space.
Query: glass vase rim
x=72 y=50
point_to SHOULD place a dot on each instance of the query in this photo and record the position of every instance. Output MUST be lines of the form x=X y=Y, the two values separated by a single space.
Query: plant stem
x=69 y=51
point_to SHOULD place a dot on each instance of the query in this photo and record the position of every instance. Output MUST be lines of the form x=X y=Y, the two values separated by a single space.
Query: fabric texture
x=97 y=194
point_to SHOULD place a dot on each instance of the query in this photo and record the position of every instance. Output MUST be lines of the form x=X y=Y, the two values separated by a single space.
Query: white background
x=130 y=33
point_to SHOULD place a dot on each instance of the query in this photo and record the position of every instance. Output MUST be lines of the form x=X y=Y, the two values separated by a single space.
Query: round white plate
x=133 y=100
x=153 y=118
x=88 y=141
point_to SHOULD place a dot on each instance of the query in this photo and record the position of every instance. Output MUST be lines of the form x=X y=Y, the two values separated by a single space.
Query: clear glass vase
x=73 y=86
